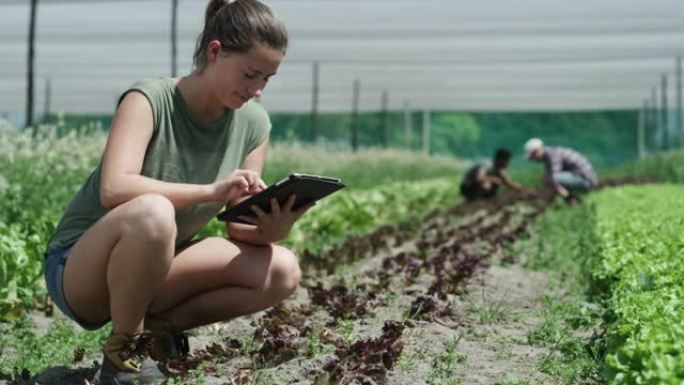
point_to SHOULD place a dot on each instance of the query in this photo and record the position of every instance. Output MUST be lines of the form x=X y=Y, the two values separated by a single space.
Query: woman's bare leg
x=117 y=267
x=124 y=267
x=217 y=279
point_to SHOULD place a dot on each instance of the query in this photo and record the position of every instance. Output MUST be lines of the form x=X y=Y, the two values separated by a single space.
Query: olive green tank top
x=181 y=150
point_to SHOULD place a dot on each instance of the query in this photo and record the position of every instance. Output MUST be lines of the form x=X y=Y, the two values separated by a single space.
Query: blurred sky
x=440 y=55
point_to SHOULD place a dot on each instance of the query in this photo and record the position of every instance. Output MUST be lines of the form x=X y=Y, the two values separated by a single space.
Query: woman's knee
x=152 y=216
x=285 y=273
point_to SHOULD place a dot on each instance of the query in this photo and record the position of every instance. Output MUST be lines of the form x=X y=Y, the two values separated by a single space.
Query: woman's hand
x=238 y=184
x=275 y=226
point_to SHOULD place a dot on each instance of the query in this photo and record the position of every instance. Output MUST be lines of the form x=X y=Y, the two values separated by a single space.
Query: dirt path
x=505 y=308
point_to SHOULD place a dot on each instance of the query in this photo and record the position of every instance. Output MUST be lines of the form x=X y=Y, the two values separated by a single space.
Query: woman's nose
x=255 y=89
x=256 y=92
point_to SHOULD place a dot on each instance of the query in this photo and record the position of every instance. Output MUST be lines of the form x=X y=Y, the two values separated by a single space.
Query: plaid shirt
x=560 y=159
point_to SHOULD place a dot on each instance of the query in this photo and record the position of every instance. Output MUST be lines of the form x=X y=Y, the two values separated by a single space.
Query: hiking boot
x=125 y=361
x=168 y=343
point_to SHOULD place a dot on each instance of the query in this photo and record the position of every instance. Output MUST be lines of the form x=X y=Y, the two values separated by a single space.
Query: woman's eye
x=249 y=76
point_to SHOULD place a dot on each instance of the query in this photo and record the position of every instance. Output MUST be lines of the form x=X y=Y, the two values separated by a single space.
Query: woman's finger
x=242 y=183
x=290 y=202
x=236 y=189
x=258 y=211
x=275 y=207
x=251 y=178
x=255 y=188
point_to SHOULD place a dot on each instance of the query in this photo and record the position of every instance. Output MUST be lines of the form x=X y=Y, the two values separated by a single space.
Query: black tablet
x=307 y=188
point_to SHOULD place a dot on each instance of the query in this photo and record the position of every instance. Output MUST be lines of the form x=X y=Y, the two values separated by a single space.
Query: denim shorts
x=54 y=278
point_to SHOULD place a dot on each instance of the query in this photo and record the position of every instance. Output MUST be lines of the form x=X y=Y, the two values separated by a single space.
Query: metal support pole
x=679 y=107
x=355 y=116
x=48 y=100
x=648 y=123
x=30 y=63
x=174 y=38
x=384 y=120
x=664 y=107
x=313 y=129
x=655 y=117
x=426 y=132
x=408 y=126
x=640 y=130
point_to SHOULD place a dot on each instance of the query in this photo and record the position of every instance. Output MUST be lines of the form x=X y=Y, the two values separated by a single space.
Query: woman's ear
x=213 y=50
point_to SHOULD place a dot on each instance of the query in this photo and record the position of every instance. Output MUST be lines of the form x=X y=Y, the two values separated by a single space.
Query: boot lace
x=137 y=350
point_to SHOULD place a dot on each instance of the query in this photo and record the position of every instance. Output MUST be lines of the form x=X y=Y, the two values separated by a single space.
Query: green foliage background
x=608 y=138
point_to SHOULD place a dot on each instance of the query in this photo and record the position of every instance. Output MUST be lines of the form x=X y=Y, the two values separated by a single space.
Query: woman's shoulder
x=254 y=122
x=153 y=84
x=156 y=90
x=253 y=112
x=251 y=107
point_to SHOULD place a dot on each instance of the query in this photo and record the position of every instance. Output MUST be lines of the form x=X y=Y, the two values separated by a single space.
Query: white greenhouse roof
x=513 y=55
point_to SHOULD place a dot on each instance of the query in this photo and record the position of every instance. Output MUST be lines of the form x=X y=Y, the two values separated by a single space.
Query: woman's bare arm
x=120 y=180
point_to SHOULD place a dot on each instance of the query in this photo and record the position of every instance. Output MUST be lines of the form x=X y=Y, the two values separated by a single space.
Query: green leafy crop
x=641 y=236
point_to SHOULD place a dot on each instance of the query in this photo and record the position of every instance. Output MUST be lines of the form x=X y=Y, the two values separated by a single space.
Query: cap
x=532 y=145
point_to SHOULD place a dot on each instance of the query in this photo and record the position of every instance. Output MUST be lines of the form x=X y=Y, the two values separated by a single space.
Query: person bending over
x=567 y=171
x=483 y=179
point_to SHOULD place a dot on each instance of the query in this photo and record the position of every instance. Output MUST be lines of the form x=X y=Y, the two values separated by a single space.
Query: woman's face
x=238 y=77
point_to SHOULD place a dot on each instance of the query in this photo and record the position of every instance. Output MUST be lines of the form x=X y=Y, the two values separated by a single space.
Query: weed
x=315 y=346
x=490 y=311
x=56 y=346
x=408 y=362
x=443 y=370
x=345 y=329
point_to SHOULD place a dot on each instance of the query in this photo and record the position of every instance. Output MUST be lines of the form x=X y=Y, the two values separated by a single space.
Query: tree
x=455 y=133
